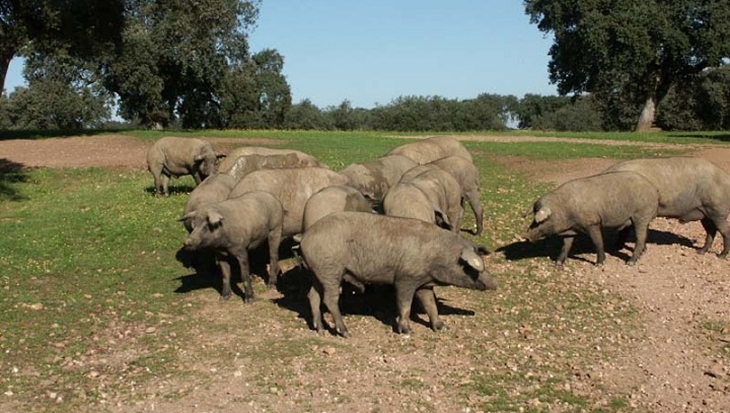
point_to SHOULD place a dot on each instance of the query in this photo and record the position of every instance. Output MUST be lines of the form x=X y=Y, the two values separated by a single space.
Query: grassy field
x=95 y=309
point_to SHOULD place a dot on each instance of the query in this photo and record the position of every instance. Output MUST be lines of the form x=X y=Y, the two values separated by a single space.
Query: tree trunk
x=648 y=114
x=5 y=59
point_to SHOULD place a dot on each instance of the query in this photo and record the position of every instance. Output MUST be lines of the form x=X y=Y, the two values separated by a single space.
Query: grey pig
x=239 y=163
x=234 y=227
x=411 y=254
x=292 y=187
x=175 y=157
x=430 y=149
x=439 y=187
x=585 y=205
x=374 y=178
x=468 y=177
x=213 y=189
x=690 y=189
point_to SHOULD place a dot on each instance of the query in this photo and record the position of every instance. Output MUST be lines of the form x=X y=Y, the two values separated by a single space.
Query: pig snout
x=486 y=282
x=190 y=244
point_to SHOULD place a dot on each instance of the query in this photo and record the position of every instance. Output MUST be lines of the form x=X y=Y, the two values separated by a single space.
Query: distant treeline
x=700 y=104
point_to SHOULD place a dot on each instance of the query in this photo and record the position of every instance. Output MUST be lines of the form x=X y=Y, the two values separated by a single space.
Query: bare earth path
x=672 y=365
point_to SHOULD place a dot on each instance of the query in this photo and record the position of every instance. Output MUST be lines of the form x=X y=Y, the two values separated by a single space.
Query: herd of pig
x=397 y=219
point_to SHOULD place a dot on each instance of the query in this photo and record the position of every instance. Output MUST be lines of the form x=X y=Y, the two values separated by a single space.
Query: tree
x=306 y=115
x=177 y=58
x=81 y=28
x=61 y=95
x=639 y=48
x=702 y=103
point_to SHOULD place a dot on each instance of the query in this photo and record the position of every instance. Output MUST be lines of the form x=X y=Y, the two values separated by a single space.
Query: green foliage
x=61 y=95
x=636 y=49
x=80 y=28
x=305 y=115
x=558 y=113
x=701 y=103
x=190 y=62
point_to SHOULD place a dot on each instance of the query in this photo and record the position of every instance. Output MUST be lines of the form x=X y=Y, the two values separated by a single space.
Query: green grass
x=91 y=306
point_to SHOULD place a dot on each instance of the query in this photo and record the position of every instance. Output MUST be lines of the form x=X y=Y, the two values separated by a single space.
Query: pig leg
x=315 y=301
x=427 y=297
x=721 y=225
x=165 y=182
x=711 y=230
x=594 y=231
x=245 y=276
x=274 y=241
x=404 y=296
x=476 y=207
x=567 y=244
x=331 y=300
x=226 y=276
x=197 y=178
x=641 y=229
x=156 y=172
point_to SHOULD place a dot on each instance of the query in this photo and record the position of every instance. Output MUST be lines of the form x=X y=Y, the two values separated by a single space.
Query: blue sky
x=371 y=52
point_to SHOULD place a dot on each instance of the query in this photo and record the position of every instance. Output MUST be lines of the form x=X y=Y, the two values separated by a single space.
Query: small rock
x=715 y=371
x=150 y=330
x=329 y=351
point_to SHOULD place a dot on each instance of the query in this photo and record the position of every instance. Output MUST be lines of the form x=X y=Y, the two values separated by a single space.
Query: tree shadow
x=31 y=134
x=11 y=173
x=723 y=137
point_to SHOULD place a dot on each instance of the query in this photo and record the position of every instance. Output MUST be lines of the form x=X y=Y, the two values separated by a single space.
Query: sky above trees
x=373 y=52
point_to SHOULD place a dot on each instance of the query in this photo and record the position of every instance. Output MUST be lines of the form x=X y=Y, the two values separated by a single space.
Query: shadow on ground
x=550 y=247
x=11 y=173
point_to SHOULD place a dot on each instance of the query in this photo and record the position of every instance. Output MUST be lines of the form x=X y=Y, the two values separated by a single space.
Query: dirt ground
x=674 y=289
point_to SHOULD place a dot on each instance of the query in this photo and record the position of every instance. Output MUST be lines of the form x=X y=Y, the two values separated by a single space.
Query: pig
x=175 y=157
x=244 y=160
x=375 y=177
x=410 y=254
x=438 y=186
x=586 y=205
x=468 y=177
x=690 y=189
x=292 y=187
x=234 y=227
x=332 y=199
x=430 y=149
x=213 y=189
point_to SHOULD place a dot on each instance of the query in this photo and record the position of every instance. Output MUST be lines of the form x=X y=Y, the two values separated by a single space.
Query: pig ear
x=198 y=158
x=187 y=216
x=543 y=214
x=444 y=217
x=215 y=218
x=472 y=259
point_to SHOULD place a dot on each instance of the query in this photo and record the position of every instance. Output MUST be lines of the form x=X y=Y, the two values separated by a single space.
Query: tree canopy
x=79 y=28
x=637 y=49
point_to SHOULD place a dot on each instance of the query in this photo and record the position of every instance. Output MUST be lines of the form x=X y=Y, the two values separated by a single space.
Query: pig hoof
x=440 y=326
x=599 y=265
x=722 y=255
x=345 y=334
x=224 y=297
x=248 y=299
